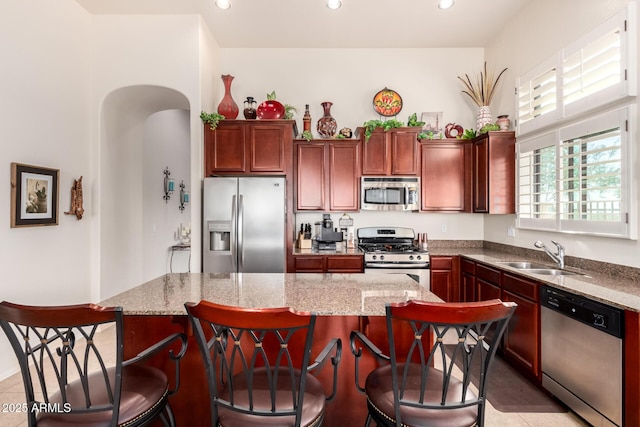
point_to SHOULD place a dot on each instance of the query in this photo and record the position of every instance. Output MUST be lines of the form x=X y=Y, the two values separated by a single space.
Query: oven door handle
x=420 y=265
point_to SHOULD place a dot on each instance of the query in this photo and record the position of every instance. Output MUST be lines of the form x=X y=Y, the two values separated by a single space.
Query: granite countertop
x=599 y=281
x=325 y=294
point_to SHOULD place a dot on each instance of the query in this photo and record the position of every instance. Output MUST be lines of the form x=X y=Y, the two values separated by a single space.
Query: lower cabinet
x=328 y=263
x=521 y=341
x=445 y=281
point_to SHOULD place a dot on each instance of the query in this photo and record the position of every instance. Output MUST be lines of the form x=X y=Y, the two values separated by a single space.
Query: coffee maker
x=327 y=236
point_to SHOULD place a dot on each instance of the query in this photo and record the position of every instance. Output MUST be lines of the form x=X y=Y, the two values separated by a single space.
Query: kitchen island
x=343 y=302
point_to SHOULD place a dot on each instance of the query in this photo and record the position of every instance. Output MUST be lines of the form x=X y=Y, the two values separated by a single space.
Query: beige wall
x=522 y=46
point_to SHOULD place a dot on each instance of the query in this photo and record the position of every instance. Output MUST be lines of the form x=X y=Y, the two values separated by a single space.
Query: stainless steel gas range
x=393 y=250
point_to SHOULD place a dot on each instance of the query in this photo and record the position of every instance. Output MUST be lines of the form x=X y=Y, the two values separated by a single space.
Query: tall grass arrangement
x=482 y=90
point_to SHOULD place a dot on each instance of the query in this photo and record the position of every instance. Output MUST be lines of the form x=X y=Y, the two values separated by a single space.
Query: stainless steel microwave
x=390 y=193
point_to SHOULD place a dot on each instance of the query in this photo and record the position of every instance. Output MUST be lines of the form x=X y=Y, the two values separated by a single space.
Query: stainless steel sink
x=550 y=271
x=523 y=265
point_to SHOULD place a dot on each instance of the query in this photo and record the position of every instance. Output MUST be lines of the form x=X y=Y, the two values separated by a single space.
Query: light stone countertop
x=325 y=294
x=599 y=285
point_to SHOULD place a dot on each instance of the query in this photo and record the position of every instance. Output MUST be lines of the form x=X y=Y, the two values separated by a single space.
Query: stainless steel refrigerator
x=244 y=225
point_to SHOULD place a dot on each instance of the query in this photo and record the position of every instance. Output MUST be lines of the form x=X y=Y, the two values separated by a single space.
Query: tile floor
x=11 y=392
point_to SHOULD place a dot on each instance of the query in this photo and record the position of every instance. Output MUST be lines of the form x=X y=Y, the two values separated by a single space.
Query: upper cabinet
x=327 y=175
x=494 y=173
x=392 y=152
x=446 y=175
x=248 y=147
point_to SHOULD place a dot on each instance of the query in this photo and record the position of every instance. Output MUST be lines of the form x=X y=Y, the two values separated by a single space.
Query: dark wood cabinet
x=248 y=147
x=328 y=263
x=487 y=283
x=521 y=340
x=494 y=173
x=445 y=274
x=392 y=152
x=445 y=175
x=327 y=175
x=467 y=280
x=522 y=337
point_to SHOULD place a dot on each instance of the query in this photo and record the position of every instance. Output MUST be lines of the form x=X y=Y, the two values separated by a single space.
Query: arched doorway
x=131 y=206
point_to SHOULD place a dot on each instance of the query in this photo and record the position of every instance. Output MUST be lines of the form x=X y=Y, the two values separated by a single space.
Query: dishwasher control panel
x=593 y=313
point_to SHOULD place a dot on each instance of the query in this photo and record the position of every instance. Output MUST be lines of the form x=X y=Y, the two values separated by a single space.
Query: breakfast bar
x=343 y=302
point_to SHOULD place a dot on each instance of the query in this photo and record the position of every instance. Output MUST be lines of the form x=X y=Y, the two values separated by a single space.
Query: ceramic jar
x=504 y=122
x=327 y=125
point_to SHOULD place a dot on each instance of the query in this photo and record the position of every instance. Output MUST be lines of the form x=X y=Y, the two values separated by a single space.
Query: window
x=594 y=72
x=577 y=178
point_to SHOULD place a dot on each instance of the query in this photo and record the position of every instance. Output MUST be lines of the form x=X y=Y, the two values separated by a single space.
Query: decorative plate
x=387 y=102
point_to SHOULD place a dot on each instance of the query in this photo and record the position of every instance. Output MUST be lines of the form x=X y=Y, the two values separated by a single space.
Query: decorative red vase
x=327 y=125
x=270 y=109
x=228 y=107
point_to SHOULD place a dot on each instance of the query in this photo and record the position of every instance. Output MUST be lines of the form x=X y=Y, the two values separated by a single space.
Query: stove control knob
x=381 y=257
x=419 y=258
x=411 y=257
x=375 y=257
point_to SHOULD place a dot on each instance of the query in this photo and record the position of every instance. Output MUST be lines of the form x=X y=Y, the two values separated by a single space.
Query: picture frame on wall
x=34 y=195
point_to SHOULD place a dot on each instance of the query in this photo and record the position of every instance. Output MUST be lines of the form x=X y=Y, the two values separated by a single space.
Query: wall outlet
x=444 y=228
x=511 y=232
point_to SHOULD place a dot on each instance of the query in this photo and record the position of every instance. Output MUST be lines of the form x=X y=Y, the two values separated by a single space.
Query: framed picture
x=432 y=122
x=34 y=195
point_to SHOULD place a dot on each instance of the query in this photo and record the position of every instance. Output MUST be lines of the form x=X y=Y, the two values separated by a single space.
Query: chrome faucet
x=558 y=257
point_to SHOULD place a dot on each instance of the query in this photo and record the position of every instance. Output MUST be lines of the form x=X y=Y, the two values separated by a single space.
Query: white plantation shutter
x=537 y=97
x=595 y=71
x=577 y=178
x=536 y=175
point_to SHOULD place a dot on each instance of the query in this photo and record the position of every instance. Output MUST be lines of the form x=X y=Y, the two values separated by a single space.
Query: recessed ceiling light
x=223 y=4
x=334 y=4
x=446 y=4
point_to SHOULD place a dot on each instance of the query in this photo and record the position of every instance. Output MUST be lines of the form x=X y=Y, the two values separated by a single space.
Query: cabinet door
x=486 y=291
x=225 y=149
x=344 y=176
x=267 y=148
x=481 y=176
x=309 y=264
x=310 y=176
x=521 y=338
x=494 y=173
x=375 y=154
x=404 y=152
x=345 y=264
x=468 y=280
x=442 y=278
x=446 y=176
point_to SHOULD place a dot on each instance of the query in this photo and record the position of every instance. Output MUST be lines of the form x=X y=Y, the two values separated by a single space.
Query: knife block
x=303 y=243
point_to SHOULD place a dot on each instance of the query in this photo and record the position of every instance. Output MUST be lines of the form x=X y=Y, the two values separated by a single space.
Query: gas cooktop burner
x=390 y=248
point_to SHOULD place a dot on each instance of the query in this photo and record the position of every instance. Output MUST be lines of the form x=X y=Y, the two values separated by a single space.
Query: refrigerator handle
x=240 y=236
x=233 y=233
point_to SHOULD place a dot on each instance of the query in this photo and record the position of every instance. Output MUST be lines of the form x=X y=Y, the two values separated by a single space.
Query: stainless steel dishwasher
x=581 y=355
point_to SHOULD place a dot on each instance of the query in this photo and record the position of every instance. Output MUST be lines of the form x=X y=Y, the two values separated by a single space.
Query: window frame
x=627 y=226
x=624 y=90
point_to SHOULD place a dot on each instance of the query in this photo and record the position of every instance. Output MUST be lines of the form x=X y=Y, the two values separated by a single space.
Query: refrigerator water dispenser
x=219 y=236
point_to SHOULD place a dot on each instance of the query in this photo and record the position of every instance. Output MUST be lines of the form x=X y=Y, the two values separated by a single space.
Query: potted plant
x=212 y=118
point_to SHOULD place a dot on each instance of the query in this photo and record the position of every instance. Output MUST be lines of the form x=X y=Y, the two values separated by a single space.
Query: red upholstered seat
x=434 y=349
x=68 y=377
x=258 y=365
x=144 y=394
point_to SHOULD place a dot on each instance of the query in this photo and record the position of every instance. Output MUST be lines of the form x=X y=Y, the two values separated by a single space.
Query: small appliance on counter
x=348 y=232
x=326 y=236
